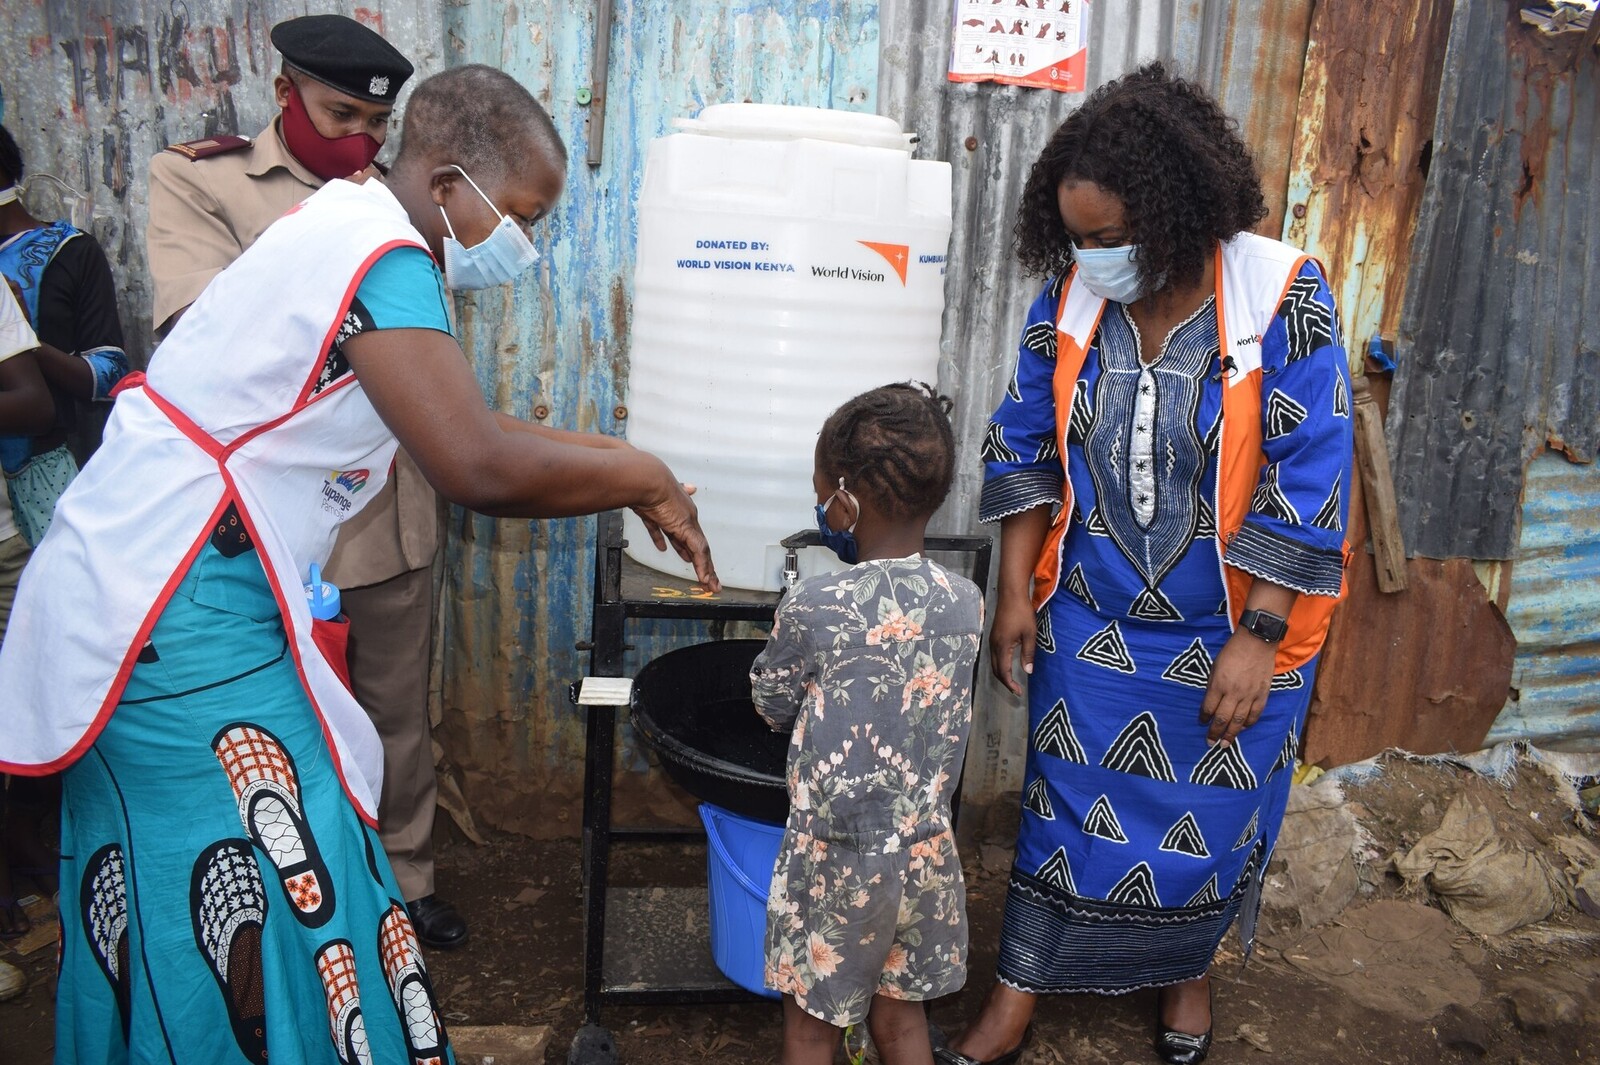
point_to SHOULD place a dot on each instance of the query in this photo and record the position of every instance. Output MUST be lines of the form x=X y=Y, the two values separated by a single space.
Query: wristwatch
x=1263 y=625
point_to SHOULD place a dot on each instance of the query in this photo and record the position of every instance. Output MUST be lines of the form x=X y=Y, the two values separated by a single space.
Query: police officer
x=209 y=200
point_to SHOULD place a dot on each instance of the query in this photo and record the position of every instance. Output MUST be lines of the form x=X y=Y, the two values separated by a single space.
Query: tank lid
x=782 y=123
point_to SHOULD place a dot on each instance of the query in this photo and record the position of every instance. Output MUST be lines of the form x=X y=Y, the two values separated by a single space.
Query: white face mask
x=8 y=195
x=1110 y=273
x=499 y=258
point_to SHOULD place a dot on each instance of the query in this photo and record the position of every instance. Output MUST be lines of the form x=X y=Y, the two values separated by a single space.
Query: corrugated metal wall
x=1499 y=345
x=100 y=87
x=1555 y=610
x=1250 y=53
x=517 y=594
x=94 y=88
x=1365 y=121
x=1363 y=125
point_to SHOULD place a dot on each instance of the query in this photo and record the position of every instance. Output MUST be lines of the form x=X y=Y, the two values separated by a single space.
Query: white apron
x=230 y=407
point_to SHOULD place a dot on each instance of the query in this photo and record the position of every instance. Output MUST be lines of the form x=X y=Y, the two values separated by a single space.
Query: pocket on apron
x=332 y=637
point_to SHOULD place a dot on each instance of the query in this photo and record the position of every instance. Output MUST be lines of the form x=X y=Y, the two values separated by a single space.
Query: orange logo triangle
x=896 y=255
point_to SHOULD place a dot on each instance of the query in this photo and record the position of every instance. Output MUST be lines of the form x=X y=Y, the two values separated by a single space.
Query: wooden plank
x=1377 y=480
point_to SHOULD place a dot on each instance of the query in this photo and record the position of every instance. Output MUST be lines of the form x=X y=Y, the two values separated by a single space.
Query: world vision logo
x=896 y=255
x=340 y=488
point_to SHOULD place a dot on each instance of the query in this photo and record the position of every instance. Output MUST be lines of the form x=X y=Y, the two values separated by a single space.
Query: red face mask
x=338 y=157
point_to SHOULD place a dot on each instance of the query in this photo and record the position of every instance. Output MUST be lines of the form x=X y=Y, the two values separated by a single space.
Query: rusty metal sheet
x=1252 y=56
x=1499 y=343
x=1364 y=130
x=1426 y=670
x=1554 y=610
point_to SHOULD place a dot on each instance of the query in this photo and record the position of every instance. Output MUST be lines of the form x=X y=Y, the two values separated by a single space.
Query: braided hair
x=10 y=158
x=893 y=445
x=1174 y=158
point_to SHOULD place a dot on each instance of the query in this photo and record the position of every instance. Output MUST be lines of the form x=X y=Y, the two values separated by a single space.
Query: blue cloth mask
x=841 y=542
x=1110 y=273
x=499 y=258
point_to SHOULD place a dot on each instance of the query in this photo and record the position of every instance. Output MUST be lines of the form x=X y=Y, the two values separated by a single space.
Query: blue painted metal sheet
x=517 y=594
x=1555 y=610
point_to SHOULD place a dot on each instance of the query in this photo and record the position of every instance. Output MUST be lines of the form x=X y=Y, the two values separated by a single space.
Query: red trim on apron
x=129 y=660
x=221 y=453
x=294 y=651
x=344 y=310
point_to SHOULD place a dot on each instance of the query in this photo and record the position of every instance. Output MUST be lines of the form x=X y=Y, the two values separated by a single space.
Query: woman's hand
x=1241 y=680
x=674 y=519
x=1014 y=627
x=1022 y=537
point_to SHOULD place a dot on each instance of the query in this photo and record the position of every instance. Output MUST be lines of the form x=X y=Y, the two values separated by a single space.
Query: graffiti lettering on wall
x=126 y=69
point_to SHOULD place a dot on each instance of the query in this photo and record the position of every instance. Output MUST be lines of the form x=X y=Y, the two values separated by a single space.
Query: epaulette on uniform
x=209 y=146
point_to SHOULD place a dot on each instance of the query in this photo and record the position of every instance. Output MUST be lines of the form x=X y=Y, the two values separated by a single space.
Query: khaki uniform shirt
x=203 y=214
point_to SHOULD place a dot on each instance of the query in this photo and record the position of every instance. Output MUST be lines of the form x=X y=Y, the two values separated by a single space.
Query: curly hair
x=1163 y=147
x=893 y=445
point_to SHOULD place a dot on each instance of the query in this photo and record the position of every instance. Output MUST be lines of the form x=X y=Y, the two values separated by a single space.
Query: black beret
x=342 y=53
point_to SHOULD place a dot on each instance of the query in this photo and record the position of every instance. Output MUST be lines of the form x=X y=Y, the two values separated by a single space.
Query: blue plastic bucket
x=740 y=854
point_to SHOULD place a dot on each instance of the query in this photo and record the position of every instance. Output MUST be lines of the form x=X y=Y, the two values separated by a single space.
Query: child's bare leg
x=807 y=1040
x=900 y=1031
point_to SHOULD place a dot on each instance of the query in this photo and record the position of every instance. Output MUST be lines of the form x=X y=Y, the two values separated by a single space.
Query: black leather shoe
x=1181 y=1048
x=437 y=923
x=946 y=1056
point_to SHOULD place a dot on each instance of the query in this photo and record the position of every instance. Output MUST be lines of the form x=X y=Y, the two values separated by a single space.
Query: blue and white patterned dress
x=1140 y=844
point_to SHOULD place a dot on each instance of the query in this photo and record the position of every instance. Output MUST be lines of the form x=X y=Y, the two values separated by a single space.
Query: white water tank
x=789 y=258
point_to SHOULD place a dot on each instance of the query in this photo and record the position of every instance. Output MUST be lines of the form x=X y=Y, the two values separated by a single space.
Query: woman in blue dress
x=1170 y=468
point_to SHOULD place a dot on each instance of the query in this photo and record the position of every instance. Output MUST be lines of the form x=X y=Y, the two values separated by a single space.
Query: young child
x=872 y=667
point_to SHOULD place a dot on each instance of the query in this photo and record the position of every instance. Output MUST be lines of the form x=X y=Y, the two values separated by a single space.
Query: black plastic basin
x=692 y=706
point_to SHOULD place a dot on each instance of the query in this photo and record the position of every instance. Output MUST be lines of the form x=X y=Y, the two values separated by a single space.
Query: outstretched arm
x=420 y=383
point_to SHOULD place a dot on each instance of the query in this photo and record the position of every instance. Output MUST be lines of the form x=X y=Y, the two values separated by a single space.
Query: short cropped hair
x=481 y=119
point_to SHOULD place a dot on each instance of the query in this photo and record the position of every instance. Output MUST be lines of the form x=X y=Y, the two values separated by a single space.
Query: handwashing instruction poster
x=1036 y=43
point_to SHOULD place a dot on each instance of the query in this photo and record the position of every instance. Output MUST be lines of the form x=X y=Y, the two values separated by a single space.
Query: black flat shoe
x=1181 y=1048
x=437 y=923
x=946 y=1056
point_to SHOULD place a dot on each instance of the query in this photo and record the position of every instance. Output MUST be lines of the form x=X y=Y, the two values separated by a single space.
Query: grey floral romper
x=872 y=667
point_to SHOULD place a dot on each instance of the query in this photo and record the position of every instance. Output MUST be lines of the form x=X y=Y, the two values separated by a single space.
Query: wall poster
x=1036 y=43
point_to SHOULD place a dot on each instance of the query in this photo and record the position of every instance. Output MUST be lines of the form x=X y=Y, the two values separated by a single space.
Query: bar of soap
x=605 y=691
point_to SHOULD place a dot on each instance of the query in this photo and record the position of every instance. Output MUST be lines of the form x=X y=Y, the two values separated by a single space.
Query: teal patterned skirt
x=221 y=899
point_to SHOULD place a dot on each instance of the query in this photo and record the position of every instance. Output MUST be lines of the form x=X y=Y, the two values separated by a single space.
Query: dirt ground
x=1416 y=988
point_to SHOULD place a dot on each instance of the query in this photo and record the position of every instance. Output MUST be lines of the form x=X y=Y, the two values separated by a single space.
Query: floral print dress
x=872 y=667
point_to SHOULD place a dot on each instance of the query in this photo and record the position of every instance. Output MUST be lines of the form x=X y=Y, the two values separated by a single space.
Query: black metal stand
x=625 y=591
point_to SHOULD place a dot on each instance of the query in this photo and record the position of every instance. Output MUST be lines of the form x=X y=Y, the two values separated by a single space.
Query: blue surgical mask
x=499 y=258
x=1110 y=273
x=840 y=542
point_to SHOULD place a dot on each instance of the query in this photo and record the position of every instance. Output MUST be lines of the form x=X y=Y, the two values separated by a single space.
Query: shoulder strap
x=208 y=146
